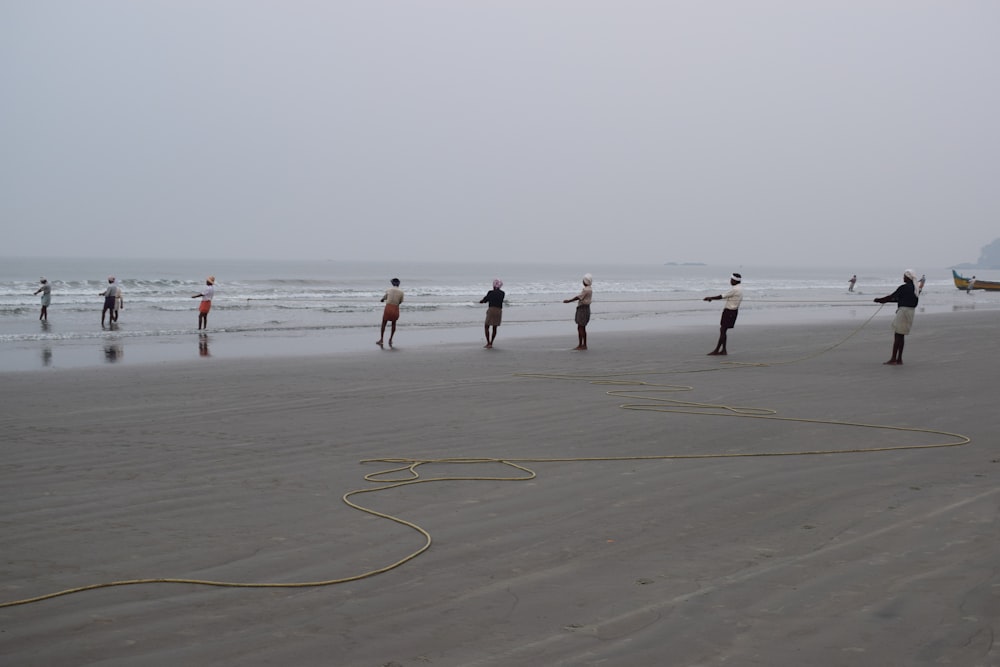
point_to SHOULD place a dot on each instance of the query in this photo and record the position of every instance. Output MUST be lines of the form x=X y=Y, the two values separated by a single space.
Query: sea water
x=317 y=306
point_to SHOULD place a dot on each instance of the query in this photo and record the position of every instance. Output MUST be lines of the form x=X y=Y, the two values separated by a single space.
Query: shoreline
x=117 y=348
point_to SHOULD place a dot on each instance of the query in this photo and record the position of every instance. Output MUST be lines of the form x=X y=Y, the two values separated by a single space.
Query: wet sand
x=746 y=542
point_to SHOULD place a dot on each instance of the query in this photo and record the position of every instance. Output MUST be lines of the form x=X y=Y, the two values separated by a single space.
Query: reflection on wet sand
x=46 y=348
x=113 y=351
x=203 y=345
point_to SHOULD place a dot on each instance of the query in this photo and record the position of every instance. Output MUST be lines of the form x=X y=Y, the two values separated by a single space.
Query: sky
x=783 y=132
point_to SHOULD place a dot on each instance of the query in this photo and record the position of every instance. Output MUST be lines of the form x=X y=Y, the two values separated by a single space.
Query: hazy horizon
x=172 y=264
x=773 y=133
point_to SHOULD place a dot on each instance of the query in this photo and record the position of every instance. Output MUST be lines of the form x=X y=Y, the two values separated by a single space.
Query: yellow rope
x=815 y=354
x=405 y=471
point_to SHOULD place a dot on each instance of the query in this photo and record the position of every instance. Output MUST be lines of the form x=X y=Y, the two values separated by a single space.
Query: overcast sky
x=788 y=132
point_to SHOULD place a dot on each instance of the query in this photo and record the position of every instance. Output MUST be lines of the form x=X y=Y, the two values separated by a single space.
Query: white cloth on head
x=910 y=274
x=588 y=279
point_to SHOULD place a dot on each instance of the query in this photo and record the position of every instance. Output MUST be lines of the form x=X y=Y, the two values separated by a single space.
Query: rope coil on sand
x=405 y=471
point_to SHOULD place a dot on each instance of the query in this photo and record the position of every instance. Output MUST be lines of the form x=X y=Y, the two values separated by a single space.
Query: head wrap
x=587 y=279
x=497 y=283
x=111 y=279
x=395 y=282
x=737 y=277
x=42 y=279
x=910 y=274
x=210 y=280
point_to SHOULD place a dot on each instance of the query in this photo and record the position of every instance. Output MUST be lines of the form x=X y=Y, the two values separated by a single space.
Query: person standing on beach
x=585 y=297
x=119 y=302
x=206 y=302
x=971 y=286
x=494 y=312
x=734 y=297
x=110 y=300
x=46 y=290
x=920 y=284
x=392 y=298
x=906 y=298
x=851 y=282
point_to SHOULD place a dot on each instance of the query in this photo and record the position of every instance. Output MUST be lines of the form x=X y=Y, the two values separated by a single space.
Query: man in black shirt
x=905 y=297
x=494 y=312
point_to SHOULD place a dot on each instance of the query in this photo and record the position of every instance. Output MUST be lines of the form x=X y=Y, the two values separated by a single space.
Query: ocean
x=302 y=307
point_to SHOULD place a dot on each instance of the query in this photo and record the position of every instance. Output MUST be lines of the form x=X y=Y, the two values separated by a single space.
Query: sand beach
x=794 y=503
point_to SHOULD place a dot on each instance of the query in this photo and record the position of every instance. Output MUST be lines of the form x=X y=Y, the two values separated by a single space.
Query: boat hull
x=962 y=283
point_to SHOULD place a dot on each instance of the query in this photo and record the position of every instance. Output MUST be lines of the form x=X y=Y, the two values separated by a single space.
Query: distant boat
x=962 y=283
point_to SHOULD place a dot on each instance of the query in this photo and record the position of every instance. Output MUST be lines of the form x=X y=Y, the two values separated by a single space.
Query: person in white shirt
x=582 y=317
x=733 y=299
x=119 y=302
x=206 y=302
x=46 y=290
x=392 y=298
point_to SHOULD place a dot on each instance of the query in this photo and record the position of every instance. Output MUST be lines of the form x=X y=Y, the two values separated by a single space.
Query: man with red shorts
x=206 y=302
x=392 y=298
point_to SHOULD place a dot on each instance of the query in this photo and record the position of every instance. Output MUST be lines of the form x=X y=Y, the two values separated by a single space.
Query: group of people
x=905 y=296
x=494 y=311
x=920 y=283
x=114 y=301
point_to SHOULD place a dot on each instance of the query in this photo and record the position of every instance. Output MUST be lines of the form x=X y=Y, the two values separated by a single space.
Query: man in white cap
x=734 y=297
x=585 y=297
x=906 y=298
